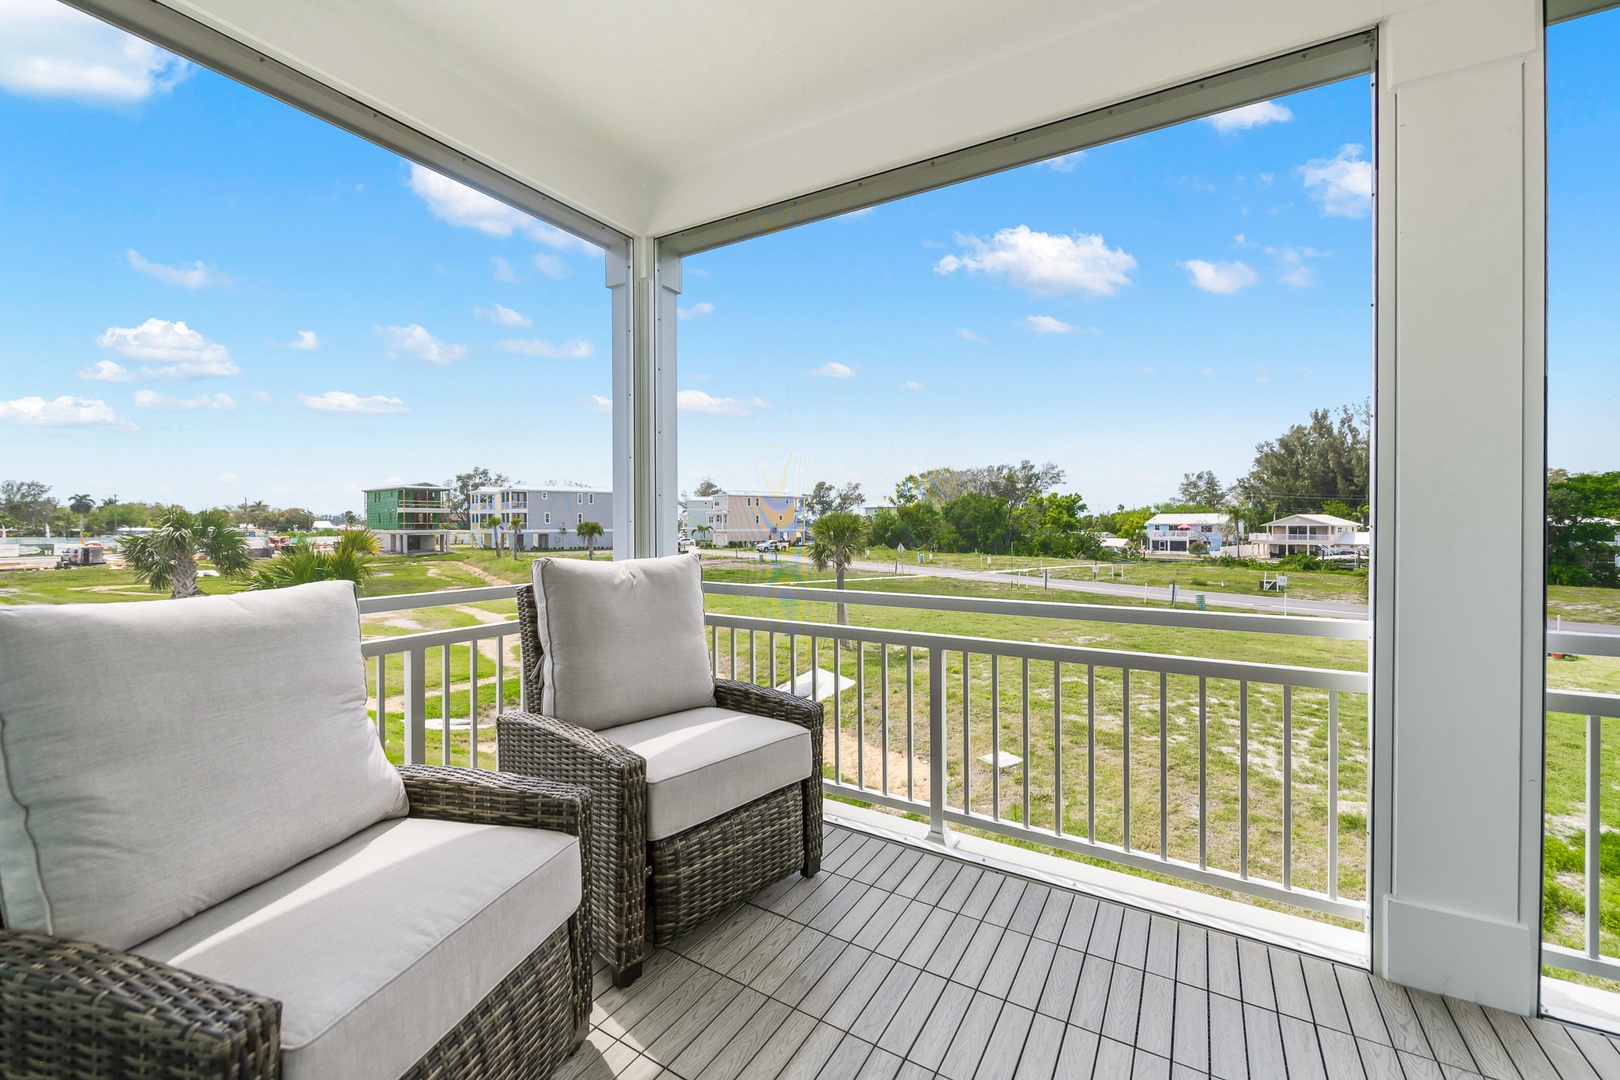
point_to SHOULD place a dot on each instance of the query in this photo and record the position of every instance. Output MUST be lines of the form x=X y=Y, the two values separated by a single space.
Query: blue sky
x=236 y=300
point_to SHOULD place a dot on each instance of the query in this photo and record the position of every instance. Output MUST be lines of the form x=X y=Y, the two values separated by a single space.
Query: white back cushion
x=621 y=641
x=160 y=757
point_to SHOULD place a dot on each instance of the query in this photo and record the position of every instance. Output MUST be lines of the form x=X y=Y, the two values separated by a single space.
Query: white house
x=543 y=518
x=1313 y=534
x=1181 y=534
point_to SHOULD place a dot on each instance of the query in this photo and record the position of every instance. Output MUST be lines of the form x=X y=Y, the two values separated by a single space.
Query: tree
x=81 y=505
x=349 y=519
x=1336 y=508
x=166 y=558
x=26 y=499
x=1311 y=463
x=464 y=484
x=706 y=488
x=979 y=522
x=848 y=499
x=1581 y=530
x=1201 y=489
x=1050 y=525
x=590 y=532
x=350 y=559
x=839 y=538
x=820 y=500
x=494 y=523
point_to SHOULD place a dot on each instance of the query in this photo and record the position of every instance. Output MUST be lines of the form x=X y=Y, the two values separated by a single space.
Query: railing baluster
x=414 y=685
x=1594 y=832
x=753 y=659
x=995 y=736
x=714 y=652
x=967 y=732
x=793 y=665
x=815 y=667
x=911 y=724
x=1164 y=766
x=382 y=700
x=860 y=713
x=1333 y=794
x=472 y=705
x=883 y=713
x=838 y=709
x=936 y=744
x=500 y=675
x=773 y=658
x=1288 y=786
x=444 y=704
x=1091 y=752
x=1025 y=767
x=1203 y=773
x=1057 y=747
x=731 y=673
x=1243 y=778
x=1125 y=738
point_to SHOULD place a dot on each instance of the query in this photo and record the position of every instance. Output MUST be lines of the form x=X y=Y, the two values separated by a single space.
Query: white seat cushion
x=377 y=947
x=164 y=756
x=704 y=762
x=621 y=641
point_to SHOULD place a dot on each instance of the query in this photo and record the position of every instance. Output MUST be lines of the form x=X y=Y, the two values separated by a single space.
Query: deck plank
x=1161 y=954
x=1366 y=1020
x=1030 y=906
x=1055 y=913
x=1490 y=1057
x=1133 y=939
x=1006 y=1045
x=885 y=1002
x=1380 y=1060
x=984 y=893
x=1600 y=1053
x=882 y=921
x=1327 y=1000
x=1042 y=1045
x=1445 y=1041
x=708 y=1042
x=919 y=1004
x=1192 y=956
x=1228 y=1057
x=812 y=1054
x=766 y=1026
x=1079 y=1052
x=1263 y=1037
x=1005 y=905
x=831 y=986
x=1155 y=1022
x=1062 y=978
x=1124 y=1004
x=927 y=938
x=1190 y=1043
x=1104 y=941
x=1091 y=995
x=1521 y=1045
x=1082 y=919
x=1288 y=981
x=1223 y=966
x=976 y=957
x=940 y=1027
x=1004 y=965
x=906 y=927
x=1254 y=968
x=846 y=1059
x=1400 y=1018
x=1340 y=1055
x=792 y=987
x=1301 y=1048
x=858 y=995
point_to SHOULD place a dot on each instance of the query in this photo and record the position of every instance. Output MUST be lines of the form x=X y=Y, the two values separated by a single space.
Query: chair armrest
x=534 y=745
x=765 y=701
x=480 y=797
x=71 y=1009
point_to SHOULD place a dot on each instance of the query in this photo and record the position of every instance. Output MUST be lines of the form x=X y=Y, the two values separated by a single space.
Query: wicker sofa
x=210 y=870
x=660 y=868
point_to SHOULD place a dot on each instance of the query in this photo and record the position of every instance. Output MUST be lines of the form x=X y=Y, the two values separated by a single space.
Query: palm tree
x=81 y=505
x=349 y=560
x=349 y=519
x=589 y=531
x=167 y=556
x=838 y=539
x=493 y=522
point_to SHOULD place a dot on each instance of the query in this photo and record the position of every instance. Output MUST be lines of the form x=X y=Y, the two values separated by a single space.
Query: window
x=548 y=518
x=578 y=518
x=593 y=498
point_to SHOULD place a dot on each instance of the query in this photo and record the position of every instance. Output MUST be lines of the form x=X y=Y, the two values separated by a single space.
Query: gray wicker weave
x=645 y=894
x=70 y=1009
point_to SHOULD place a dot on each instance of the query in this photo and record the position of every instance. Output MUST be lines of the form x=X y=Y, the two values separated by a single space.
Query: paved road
x=1269 y=605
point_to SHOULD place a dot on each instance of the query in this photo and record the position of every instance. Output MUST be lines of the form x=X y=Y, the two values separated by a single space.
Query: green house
x=410 y=518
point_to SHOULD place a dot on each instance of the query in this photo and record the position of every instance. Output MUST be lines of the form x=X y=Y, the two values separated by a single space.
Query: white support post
x=645 y=287
x=1457 y=653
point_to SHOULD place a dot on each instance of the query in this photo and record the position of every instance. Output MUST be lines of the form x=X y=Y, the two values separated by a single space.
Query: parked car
x=684 y=544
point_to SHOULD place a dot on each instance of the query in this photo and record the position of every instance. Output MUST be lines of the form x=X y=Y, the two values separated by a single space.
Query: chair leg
x=812 y=865
x=622 y=979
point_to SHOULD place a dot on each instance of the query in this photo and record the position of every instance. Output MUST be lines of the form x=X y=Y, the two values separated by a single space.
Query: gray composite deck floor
x=895 y=962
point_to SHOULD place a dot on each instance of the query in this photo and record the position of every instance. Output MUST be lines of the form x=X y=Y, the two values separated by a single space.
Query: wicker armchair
x=645 y=893
x=74 y=1010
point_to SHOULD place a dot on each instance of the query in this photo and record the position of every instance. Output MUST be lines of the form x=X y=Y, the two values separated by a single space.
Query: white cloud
x=107 y=371
x=696 y=311
x=1294 y=270
x=501 y=315
x=306 y=341
x=48 y=49
x=228 y=478
x=151 y=399
x=1342 y=183
x=194 y=276
x=59 y=412
x=456 y=203
x=1045 y=263
x=1045 y=324
x=503 y=269
x=696 y=401
x=832 y=369
x=595 y=403
x=337 y=401
x=1066 y=163
x=914 y=386
x=550 y=265
x=968 y=335
x=1224 y=278
x=172 y=350
x=573 y=349
x=414 y=340
x=1249 y=116
x=262 y=397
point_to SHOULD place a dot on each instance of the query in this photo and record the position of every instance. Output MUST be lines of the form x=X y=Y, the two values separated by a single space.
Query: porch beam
x=646 y=285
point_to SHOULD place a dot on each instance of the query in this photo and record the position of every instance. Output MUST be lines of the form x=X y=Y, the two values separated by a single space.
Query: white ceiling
x=656 y=116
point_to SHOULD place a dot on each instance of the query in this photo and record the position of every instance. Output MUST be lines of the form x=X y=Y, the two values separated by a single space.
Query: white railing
x=1596 y=708
x=1258 y=728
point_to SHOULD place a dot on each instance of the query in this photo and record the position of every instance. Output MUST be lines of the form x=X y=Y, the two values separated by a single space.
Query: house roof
x=653 y=118
x=1186 y=519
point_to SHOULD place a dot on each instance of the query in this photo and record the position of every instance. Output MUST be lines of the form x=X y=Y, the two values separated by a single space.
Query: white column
x=645 y=287
x=1457 y=656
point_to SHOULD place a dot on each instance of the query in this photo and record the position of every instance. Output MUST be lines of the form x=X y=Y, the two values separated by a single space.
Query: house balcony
x=1042 y=859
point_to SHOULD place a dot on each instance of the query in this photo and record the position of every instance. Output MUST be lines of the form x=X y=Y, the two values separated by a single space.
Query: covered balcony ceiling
x=657 y=117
